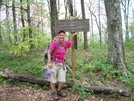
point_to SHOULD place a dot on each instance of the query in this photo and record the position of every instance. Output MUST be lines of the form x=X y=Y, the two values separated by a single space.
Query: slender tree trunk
x=29 y=22
x=125 y=7
x=7 y=21
x=14 y=19
x=0 y=28
x=99 y=23
x=83 y=17
x=42 y=26
x=115 y=40
x=127 y=16
x=91 y=19
x=0 y=24
x=71 y=7
x=66 y=5
x=92 y=31
x=54 y=16
x=22 y=20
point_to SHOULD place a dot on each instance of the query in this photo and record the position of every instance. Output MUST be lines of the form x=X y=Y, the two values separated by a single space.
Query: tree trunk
x=22 y=20
x=7 y=22
x=71 y=8
x=125 y=7
x=115 y=39
x=42 y=82
x=91 y=19
x=66 y=6
x=99 y=23
x=54 y=16
x=29 y=23
x=0 y=32
x=14 y=19
x=83 y=17
x=0 y=25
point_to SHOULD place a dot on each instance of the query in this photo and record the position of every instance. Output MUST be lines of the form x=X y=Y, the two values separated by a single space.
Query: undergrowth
x=92 y=67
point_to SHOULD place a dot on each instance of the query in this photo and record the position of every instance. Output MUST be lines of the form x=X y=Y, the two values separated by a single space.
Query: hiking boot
x=55 y=96
x=61 y=93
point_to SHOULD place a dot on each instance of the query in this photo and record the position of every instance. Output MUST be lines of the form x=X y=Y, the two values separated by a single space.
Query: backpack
x=47 y=48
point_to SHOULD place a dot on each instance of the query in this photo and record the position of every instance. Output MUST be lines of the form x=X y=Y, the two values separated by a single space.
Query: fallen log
x=43 y=81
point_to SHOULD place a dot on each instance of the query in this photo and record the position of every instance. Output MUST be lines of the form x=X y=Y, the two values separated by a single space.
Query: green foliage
x=80 y=62
x=131 y=28
x=20 y=49
x=1 y=79
x=37 y=41
x=129 y=45
x=3 y=99
x=19 y=83
x=92 y=67
x=46 y=87
x=128 y=81
x=79 y=75
x=12 y=81
x=84 y=93
x=75 y=88
x=29 y=65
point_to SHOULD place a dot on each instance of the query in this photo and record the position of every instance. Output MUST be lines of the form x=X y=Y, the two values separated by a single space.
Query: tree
x=125 y=7
x=99 y=22
x=14 y=19
x=115 y=39
x=83 y=17
x=96 y=9
x=8 y=20
x=54 y=16
x=22 y=19
x=29 y=22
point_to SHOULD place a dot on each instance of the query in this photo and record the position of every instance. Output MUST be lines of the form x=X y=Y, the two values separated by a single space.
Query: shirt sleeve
x=53 y=45
x=68 y=44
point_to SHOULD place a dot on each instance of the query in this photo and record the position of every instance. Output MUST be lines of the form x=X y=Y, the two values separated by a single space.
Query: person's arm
x=50 y=51
x=49 y=58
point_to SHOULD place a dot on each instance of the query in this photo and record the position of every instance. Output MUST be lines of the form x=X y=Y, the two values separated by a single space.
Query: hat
x=61 y=31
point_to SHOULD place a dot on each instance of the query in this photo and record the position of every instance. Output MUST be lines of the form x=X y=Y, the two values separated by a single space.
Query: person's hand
x=50 y=64
x=74 y=35
x=73 y=39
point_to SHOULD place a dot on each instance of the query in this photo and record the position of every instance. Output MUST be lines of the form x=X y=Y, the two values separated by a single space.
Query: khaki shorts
x=57 y=73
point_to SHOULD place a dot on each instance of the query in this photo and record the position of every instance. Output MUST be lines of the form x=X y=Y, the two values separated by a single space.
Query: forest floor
x=24 y=93
x=12 y=92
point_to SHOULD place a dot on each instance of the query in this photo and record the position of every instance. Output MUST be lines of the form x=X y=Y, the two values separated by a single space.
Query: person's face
x=61 y=36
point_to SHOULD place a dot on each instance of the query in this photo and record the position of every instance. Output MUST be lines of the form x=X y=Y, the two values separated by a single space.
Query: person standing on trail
x=56 y=66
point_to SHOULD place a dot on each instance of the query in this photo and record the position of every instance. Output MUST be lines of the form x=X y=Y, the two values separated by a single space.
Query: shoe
x=61 y=93
x=55 y=96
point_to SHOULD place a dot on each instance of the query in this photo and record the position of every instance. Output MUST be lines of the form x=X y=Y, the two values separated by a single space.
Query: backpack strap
x=54 y=57
x=57 y=45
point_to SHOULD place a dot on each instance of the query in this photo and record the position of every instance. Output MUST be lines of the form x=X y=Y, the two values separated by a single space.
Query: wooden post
x=73 y=58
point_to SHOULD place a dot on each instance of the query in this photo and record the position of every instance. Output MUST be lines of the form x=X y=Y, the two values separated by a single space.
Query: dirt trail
x=24 y=93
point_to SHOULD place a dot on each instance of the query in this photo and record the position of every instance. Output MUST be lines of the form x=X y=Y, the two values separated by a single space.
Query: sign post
x=74 y=25
x=73 y=58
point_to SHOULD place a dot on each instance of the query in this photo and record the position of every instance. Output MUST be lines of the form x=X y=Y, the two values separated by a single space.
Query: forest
x=100 y=67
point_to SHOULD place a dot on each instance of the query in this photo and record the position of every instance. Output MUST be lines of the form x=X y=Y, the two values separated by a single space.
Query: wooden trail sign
x=74 y=25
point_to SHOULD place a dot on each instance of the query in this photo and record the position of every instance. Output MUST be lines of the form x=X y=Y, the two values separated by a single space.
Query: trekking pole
x=68 y=66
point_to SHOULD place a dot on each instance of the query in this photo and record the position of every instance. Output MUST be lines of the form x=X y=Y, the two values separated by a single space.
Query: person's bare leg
x=54 y=93
x=52 y=87
x=60 y=85
x=59 y=92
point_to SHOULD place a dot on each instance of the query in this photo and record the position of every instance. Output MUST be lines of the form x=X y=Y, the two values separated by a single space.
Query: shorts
x=58 y=73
